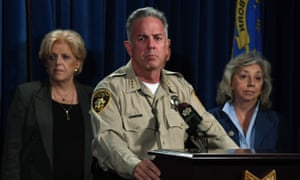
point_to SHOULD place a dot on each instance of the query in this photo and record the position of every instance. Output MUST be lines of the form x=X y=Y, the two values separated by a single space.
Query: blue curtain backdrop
x=201 y=33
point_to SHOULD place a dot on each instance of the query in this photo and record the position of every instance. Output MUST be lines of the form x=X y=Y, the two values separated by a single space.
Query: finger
x=153 y=168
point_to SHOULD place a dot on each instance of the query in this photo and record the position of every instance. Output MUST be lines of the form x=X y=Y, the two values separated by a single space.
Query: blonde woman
x=49 y=133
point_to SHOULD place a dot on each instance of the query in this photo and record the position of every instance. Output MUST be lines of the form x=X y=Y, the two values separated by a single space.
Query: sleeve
x=284 y=137
x=13 y=138
x=216 y=135
x=109 y=144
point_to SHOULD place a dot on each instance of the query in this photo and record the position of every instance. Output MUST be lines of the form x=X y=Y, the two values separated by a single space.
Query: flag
x=247 y=27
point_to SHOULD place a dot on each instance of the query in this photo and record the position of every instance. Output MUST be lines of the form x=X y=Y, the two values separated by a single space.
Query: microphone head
x=184 y=109
x=193 y=119
x=188 y=113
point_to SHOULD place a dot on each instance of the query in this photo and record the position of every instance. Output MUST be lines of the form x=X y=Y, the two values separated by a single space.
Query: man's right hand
x=146 y=170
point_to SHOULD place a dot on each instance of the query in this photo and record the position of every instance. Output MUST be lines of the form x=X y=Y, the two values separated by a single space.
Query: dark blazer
x=270 y=134
x=28 y=146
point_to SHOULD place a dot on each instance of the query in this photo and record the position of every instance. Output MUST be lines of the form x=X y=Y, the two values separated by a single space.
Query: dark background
x=201 y=33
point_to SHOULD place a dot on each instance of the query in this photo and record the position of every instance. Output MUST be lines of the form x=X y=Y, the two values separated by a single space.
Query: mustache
x=150 y=53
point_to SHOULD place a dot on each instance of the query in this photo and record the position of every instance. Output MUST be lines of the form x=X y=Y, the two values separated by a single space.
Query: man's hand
x=146 y=170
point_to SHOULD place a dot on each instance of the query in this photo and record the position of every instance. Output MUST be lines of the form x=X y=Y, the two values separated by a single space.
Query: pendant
x=67 y=114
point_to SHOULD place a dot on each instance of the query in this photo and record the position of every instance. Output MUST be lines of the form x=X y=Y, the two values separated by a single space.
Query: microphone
x=193 y=119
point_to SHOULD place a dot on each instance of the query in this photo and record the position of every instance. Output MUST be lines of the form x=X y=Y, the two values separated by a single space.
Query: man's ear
x=128 y=47
x=168 y=50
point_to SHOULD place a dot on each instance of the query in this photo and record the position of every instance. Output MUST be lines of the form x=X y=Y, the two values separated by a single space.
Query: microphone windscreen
x=181 y=107
x=190 y=116
x=193 y=119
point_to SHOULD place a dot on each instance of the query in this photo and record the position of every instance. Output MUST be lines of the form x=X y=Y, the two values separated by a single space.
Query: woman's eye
x=65 y=57
x=243 y=76
x=259 y=78
x=52 y=57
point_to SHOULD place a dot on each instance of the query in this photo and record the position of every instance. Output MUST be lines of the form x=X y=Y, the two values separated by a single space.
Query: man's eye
x=158 y=38
x=141 y=38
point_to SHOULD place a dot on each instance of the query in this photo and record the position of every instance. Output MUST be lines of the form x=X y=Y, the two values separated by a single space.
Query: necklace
x=63 y=97
x=67 y=110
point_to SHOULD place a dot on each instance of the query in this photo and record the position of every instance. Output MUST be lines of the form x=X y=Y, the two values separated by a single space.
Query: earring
x=76 y=70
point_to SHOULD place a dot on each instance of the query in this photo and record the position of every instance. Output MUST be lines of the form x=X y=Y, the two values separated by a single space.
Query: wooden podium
x=227 y=165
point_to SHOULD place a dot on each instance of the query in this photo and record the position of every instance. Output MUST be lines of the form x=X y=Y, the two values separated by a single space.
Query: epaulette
x=118 y=73
x=172 y=73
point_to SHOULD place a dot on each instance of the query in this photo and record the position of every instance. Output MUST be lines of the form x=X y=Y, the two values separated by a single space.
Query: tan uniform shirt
x=129 y=121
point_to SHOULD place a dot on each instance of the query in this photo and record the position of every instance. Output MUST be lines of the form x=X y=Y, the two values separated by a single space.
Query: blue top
x=245 y=140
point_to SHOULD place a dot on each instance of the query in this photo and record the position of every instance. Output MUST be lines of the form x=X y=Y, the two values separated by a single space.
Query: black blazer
x=271 y=132
x=28 y=146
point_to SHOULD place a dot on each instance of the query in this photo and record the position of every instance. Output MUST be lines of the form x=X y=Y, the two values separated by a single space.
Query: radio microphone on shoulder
x=193 y=119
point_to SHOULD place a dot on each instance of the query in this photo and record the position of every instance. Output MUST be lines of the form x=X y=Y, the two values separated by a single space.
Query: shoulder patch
x=101 y=99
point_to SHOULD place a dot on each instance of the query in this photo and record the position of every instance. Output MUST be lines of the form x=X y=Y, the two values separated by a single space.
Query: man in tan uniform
x=132 y=109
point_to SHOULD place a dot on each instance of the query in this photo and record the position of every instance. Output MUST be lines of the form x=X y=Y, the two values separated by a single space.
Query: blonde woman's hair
x=72 y=38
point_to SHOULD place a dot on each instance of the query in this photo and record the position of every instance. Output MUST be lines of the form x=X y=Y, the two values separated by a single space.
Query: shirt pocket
x=139 y=122
x=175 y=121
x=176 y=127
